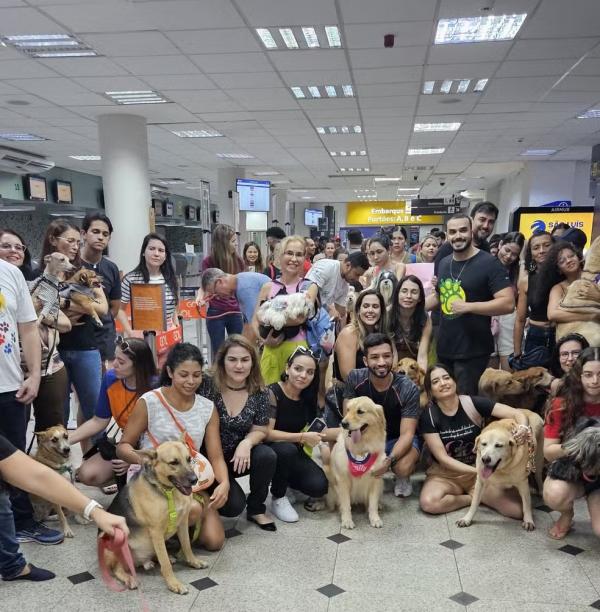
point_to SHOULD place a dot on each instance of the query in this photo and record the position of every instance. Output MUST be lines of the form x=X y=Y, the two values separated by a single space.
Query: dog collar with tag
x=359 y=467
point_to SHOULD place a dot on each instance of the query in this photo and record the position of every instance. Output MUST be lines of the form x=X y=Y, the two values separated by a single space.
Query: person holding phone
x=293 y=407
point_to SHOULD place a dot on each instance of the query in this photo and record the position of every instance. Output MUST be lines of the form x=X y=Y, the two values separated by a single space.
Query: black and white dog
x=386 y=284
x=582 y=462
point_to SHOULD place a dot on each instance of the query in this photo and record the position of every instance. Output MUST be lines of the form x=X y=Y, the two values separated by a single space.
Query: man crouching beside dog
x=451 y=425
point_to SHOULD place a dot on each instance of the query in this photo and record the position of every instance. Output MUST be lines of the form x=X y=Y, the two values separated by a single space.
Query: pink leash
x=119 y=546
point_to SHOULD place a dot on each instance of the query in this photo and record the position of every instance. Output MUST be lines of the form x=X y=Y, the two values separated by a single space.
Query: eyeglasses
x=5 y=246
x=69 y=240
x=122 y=344
x=567 y=354
x=302 y=350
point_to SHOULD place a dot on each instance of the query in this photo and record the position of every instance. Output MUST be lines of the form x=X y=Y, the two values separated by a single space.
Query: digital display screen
x=312 y=216
x=64 y=192
x=254 y=195
x=36 y=187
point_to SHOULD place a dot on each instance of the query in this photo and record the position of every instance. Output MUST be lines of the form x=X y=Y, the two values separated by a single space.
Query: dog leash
x=119 y=546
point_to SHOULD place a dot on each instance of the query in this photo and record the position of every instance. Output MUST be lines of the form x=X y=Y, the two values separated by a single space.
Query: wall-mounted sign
x=557 y=204
x=387 y=213
x=529 y=221
x=433 y=206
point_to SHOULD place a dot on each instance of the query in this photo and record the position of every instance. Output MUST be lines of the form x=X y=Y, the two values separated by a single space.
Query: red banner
x=189 y=310
x=165 y=340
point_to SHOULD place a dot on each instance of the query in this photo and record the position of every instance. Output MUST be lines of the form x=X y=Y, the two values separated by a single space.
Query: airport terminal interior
x=318 y=117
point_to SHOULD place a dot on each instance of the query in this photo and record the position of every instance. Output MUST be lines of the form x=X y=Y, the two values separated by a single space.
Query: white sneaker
x=403 y=487
x=283 y=510
x=291 y=496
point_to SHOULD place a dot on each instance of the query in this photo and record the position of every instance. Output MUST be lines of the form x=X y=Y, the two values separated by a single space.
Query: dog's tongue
x=486 y=472
x=355 y=436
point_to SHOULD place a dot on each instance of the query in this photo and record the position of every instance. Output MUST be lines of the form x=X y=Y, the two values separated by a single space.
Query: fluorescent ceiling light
x=593 y=113
x=20 y=136
x=385 y=179
x=346 y=153
x=446 y=86
x=36 y=37
x=330 y=90
x=267 y=38
x=436 y=127
x=480 y=85
x=136 y=97
x=333 y=36
x=313 y=90
x=348 y=91
x=540 y=152
x=333 y=130
x=321 y=91
x=267 y=173
x=197 y=133
x=342 y=129
x=478 y=29
x=409 y=189
x=321 y=130
x=49 y=45
x=357 y=129
x=463 y=86
x=310 y=35
x=86 y=157
x=428 y=87
x=51 y=54
x=298 y=92
x=170 y=181
x=288 y=38
x=235 y=156
x=308 y=197
x=437 y=151
x=355 y=169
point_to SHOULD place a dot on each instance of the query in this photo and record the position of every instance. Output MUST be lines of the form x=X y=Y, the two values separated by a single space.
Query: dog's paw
x=148 y=565
x=528 y=525
x=197 y=563
x=347 y=523
x=131 y=583
x=376 y=522
x=177 y=587
x=319 y=504
x=463 y=523
x=68 y=532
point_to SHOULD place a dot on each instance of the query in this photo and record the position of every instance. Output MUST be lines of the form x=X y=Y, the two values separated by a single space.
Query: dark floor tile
x=596 y=605
x=571 y=550
x=452 y=544
x=330 y=590
x=79 y=578
x=543 y=508
x=464 y=599
x=231 y=533
x=339 y=538
x=203 y=583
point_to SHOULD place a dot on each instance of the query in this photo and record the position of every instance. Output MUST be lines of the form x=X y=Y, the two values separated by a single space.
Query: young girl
x=379 y=256
x=242 y=403
x=450 y=426
x=293 y=408
x=252 y=257
x=161 y=415
x=428 y=250
x=580 y=397
x=399 y=254
x=133 y=374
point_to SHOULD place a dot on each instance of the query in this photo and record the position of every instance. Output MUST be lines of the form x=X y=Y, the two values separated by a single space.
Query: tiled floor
x=416 y=562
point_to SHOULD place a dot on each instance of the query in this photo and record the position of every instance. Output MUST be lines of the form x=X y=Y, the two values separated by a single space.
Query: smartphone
x=317 y=425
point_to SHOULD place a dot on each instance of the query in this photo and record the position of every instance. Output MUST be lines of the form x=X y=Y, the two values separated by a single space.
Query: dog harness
x=359 y=467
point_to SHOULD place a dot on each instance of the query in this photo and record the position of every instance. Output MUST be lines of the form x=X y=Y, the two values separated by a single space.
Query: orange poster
x=148 y=311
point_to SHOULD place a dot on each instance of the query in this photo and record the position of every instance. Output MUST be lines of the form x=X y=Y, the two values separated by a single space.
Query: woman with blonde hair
x=279 y=346
x=242 y=402
x=223 y=313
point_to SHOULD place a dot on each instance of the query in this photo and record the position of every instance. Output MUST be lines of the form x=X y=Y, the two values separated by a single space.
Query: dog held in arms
x=157 y=503
x=359 y=449
x=502 y=461
x=80 y=290
x=45 y=289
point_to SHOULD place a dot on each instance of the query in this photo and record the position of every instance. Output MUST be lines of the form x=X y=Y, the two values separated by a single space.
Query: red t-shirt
x=554 y=419
x=307 y=266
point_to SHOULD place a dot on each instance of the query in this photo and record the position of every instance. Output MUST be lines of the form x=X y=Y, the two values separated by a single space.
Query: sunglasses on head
x=301 y=350
x=122 y=344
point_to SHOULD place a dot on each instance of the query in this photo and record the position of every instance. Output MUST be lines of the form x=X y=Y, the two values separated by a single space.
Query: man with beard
x=399 y=397
x=311 y=249
x=472 y=287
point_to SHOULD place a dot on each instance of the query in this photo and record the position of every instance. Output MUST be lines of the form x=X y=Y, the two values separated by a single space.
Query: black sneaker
x=38 y=532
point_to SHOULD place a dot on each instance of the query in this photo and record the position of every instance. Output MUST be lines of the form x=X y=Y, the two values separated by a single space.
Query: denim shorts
x=389 y=445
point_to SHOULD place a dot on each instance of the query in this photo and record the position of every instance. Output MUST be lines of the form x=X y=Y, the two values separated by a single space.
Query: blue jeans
x=232 y=323
x=85 y=374
x=11 y=559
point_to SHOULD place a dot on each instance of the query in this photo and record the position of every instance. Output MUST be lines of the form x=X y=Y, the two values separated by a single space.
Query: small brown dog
x=53 y=451
x=80 y=291
x=409 y=367
x=45 y=289
x=521 y=389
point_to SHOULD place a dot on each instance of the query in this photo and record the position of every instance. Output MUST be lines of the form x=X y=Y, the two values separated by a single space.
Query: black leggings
x=297 y=470
x=262 y=467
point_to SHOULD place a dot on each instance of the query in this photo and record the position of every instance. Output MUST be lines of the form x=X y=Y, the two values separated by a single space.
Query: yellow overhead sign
x=542 y=220
x=386 y=213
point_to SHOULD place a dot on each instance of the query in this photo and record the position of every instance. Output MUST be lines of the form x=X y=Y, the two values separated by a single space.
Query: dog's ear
x=476 y=444
x=47 y=258
x=148 y=455
x=41 y=435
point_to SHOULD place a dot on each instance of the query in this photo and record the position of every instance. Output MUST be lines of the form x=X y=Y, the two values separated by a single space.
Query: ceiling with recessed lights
x=303 y=92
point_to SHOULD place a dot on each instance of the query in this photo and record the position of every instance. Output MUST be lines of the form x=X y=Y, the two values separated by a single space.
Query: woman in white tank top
x=180 y=378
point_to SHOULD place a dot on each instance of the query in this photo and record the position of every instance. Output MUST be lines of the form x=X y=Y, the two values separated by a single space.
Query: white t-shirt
x=333 y=289
x=16 y=307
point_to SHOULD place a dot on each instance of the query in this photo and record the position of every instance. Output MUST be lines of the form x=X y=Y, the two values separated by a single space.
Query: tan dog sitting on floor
x=166 y=474
x=53 y=451
x=519 y=389
x=503 y=462
x=409 y=367
x=359 y=449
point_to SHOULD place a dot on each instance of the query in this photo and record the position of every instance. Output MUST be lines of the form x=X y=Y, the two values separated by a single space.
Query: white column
x=124 y=151
x=226 y=182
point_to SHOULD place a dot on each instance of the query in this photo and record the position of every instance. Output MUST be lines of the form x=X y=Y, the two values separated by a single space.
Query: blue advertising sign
x=557 y=204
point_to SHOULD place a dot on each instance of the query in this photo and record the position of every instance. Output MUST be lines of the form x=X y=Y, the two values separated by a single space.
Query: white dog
x=279 y=310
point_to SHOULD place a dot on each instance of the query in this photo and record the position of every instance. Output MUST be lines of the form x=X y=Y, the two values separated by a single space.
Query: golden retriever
x=144 y=504
x=520 y=389
x=502 y=462
x=409 y=367
x=359 y=449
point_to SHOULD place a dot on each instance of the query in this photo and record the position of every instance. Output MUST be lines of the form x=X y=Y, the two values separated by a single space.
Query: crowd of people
x=488 y=301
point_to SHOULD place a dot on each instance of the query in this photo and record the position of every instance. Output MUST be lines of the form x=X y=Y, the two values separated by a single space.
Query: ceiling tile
x=388 y=58
x=84 y=66
x=534 y=68
x=384 y=11
x=310 y=59
x=527 y=89
x=239 y=40
x=468 y=53
x=308 y=12
x=26 y=21
x=104 y=83
x=370 y=36
x=240 y=80
x=264 y=99
x=134 y=44
x=579 y=83
x=551 y=48
x=166 y=82
x=479 y=70
x=164 y=64
x=386 y=75
x=24 y=69
x=204 y=101
x=552 y=20
x=316 y=77
x=388 y=89
x=232 y=62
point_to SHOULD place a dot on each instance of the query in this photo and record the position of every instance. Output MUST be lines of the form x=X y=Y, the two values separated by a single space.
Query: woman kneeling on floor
x=133 y=374
x=242 y=403
x=167 y=412
x=580 y=397
x=293 y=408
x=450 y=424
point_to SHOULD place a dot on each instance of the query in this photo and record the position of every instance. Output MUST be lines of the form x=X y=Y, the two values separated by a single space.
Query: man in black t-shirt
x=399 y=397
x=96 y=232
x=472 y=287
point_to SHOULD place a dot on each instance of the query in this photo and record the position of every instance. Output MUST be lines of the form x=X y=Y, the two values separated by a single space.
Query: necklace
x=236 y=388
x=461 y=270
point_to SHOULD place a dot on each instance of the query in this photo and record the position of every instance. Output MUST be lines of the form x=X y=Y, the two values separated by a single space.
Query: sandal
x=110 y=489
